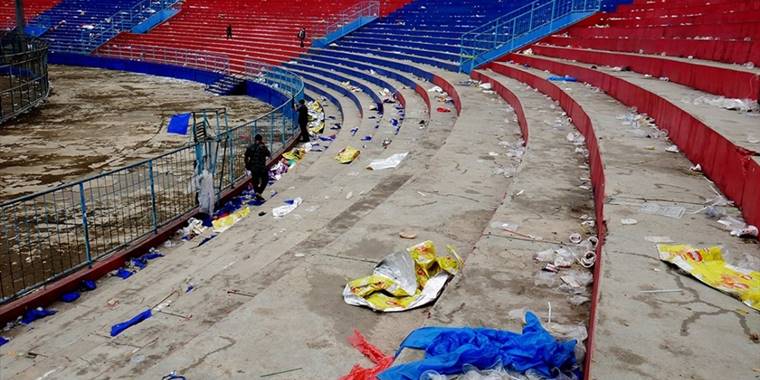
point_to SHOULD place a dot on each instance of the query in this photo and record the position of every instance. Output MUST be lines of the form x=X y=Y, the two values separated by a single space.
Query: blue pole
x=153 y=196
x=84 y=225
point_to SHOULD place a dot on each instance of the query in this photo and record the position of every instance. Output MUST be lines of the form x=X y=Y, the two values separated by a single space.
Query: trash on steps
x=404 y=280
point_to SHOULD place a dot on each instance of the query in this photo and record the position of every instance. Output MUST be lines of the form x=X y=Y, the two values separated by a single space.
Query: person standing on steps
x=256 y=162
x=303 y=119
x=302 y=35
x=229 y=31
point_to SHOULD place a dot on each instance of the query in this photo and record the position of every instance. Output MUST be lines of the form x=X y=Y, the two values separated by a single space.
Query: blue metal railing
x=510 y=30
x=370 y=8
x=47 y=235
x=121 y=21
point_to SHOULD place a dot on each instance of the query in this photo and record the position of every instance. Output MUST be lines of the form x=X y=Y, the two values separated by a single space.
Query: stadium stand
x=32 y=8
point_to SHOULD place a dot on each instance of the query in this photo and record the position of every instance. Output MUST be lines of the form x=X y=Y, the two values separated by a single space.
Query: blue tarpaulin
x=3 y=341
x=123 y=273
x=88 y=285
x=120 y=327
x=70 y=297
x=178 y=124
x=449 y=349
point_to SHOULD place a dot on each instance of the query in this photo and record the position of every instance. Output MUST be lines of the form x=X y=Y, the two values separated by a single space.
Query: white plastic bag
x=206 y=196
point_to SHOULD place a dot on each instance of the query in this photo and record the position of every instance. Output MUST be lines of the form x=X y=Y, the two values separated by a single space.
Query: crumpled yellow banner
x=222 y=224
x=707 y=265
x=348 y=155
x=294 y=155
x=404 y=280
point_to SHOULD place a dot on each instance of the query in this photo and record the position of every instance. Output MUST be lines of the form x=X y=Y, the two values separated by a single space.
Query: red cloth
x=382 y=361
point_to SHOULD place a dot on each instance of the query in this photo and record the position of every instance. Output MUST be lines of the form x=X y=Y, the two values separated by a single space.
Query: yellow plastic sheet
x=707 y=265
x=222 y=224
x=318 y=128
x=294 y=155
x=348 y=155
x=404 y=280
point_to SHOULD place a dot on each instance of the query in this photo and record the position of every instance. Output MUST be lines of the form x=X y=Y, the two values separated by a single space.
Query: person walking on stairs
x=256 y=162
x=229 y=31
x=303 y=119
x=302 y=35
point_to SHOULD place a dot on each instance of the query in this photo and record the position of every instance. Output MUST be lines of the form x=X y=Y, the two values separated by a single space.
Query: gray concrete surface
x=696 y=333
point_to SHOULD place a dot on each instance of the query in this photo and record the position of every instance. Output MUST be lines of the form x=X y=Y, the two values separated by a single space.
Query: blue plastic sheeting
x=88 y=285
x=151 y=256
x=123 y=273
x=120 y=327
x=449 y=349
x=140 y=262
x=3 y=341
x=32 y=315
x=178 y=124
x=70 y=297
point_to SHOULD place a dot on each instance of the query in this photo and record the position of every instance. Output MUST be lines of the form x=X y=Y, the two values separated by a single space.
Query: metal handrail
x=122 y=21
x=503 y=31
x=49 y=234
x=369 y=8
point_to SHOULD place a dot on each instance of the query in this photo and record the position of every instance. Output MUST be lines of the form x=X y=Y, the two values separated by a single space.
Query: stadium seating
x=269 y=36
x=32 y=8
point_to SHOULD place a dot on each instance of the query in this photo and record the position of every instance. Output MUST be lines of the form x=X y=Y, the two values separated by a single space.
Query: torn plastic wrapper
x=404 y=280
x=279 y=212
x=707 y=265
x=347 y=155
x=387 y=163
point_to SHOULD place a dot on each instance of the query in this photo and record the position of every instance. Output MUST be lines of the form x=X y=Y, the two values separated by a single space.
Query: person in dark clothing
x=229 y=31
x=302 y=36
x=303 y=119
x=256 y=162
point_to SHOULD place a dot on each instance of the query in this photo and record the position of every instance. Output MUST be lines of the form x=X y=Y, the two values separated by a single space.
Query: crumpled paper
x=387 y=163
x=347 y=155
x=290 y=205
x=404 y=280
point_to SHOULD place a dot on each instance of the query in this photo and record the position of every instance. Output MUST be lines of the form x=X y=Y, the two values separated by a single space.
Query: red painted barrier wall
x=715 y=80
x=583 y=123
x=731 y=167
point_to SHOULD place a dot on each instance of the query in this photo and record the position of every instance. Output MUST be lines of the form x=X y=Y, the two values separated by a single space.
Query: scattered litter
x=696 y=168
x=662 y=291
x=404 y=280
x=486 y=86
x=387 y=163
x=3 y=340
x=575 y=238
x=123 y=273
x=347 y=155
x=658 y=239
x=448 y=350
x=70 y=297
x=206 y=193
x=675 y=212
x=577 y=279
x=367 y=138
x=436 y=89
x=194 y=228
x=289 y=206
x=173 y=376
x=510 y=227
x=224 y=223
x=281 y=372
x=628 y=222
x=746 y=232
x=381 y=361
x=707 y=265
x=672 y=149
x=443 y=109
x=349 y=195
x=32 y=315
x=741 y=105
x=566 y=78
x=120 y=327
x=407 y=235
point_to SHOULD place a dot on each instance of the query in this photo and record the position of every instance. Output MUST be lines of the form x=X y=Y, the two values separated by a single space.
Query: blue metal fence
x=519 y=27
x=50 y=234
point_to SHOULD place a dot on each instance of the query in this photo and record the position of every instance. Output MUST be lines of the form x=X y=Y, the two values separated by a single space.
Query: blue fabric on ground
x=566 y=78
x=123 y=273
x=88 y=285
x=178 y=124
x=367 y=138
x=3 y=341
x=120 y=327
x=152 y=255
x=448 y=350
x=70 y=297
x=139 y=262
x=32 y=315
